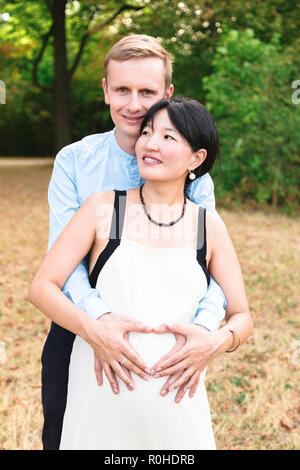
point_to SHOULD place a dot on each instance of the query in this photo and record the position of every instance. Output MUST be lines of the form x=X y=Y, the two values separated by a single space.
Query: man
x=138 y=72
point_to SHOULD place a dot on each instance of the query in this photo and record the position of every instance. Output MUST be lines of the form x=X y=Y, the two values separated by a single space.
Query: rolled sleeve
x=211 y=309
x=93 y=305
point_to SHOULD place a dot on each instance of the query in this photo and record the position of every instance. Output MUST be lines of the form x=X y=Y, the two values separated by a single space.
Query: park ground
x=253 y=392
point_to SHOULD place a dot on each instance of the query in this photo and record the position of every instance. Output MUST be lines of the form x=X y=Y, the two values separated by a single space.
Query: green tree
x=191 y=30
x=85 y=19
x=249 y=93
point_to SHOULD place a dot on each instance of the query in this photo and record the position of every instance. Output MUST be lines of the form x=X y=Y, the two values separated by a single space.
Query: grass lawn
x=253 y=392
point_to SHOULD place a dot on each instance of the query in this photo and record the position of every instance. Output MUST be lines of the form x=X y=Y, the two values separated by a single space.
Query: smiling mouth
x=133 y=119
x=151 y=160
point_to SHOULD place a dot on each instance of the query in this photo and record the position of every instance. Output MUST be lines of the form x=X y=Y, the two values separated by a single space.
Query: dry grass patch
x=252 y=392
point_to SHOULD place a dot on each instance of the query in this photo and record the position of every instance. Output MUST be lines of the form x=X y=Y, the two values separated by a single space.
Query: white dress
x=154 y=285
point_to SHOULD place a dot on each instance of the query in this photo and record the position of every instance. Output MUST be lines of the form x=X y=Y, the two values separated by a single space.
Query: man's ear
x=198 y=158
x=104 y=86
x=169 y=91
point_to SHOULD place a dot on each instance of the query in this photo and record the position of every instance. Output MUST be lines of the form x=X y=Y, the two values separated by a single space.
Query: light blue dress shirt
x=97 y=163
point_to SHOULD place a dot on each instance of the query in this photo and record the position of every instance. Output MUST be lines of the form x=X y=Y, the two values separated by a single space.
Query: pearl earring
x=192 y=175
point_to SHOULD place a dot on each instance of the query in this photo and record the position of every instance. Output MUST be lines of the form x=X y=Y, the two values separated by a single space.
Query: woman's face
x=162 y=153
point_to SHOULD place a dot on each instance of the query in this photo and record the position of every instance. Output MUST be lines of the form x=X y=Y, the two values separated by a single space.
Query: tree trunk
x=61 y=81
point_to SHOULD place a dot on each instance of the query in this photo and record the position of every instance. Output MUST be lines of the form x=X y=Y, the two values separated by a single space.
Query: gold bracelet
x=234 y=348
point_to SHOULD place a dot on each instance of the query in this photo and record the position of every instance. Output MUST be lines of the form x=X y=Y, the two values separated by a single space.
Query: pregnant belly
x=152 y=346
x=146 y=394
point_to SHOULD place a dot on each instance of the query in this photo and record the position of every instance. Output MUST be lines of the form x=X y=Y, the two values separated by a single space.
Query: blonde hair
x=140 y=45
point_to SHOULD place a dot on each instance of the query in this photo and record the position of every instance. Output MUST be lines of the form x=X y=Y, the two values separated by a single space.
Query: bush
x=249 y=94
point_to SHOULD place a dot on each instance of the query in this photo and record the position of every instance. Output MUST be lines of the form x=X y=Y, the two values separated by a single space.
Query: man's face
x=131 y=88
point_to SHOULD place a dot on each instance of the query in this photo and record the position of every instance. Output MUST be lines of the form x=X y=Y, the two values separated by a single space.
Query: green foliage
x=249 y=94
x=243 y=75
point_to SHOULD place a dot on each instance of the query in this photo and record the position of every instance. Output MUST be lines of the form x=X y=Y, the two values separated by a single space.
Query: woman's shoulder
x=101 y=197
x=215 y=226
x=216 y=231
x=98 y=205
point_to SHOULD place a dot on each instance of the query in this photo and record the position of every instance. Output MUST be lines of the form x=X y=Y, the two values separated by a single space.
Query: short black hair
x=196 y=125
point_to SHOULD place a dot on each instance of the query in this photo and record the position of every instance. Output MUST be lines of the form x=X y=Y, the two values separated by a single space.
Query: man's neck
x=126 y=143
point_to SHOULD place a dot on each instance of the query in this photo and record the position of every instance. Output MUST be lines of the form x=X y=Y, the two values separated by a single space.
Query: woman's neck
x=157 y=192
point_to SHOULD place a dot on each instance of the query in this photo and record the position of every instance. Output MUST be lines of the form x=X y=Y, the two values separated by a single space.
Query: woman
x=151 y=255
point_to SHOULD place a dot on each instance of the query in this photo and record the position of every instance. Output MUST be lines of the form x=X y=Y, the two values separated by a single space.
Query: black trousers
x=55 y=374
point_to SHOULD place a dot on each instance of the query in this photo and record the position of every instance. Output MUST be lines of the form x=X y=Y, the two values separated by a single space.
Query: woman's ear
x=198 y=158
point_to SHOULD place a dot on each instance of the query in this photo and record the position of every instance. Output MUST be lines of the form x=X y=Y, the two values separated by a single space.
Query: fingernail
x=158 y=369
x=156 y=375
x=131 y=386
x=152 y=371
x=178 y=399
x=171 y=388
x=146 y=377
x=147 y=370
x=164 y=392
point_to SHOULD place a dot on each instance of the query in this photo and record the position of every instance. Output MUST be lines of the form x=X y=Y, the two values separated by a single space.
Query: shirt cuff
x=208 y=320
x=94 y=307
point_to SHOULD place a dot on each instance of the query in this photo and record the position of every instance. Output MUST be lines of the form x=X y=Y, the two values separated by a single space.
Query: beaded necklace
x=160 y=224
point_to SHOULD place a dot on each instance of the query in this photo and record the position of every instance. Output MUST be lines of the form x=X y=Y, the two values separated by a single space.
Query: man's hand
x=111 y=346
x=189 y=357
x=183 y=388
x=111 y=376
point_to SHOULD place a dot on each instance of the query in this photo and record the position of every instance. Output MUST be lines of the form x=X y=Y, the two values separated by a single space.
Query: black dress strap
x=118 y=215
x=114 y=236
x=201 y=233
x=201 y=242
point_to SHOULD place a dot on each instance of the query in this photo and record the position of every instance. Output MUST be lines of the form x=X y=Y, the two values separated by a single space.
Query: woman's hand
x=180 y=342
x=185 y=363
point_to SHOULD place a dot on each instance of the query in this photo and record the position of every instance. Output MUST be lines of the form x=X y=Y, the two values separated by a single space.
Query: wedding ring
x=125 y=358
